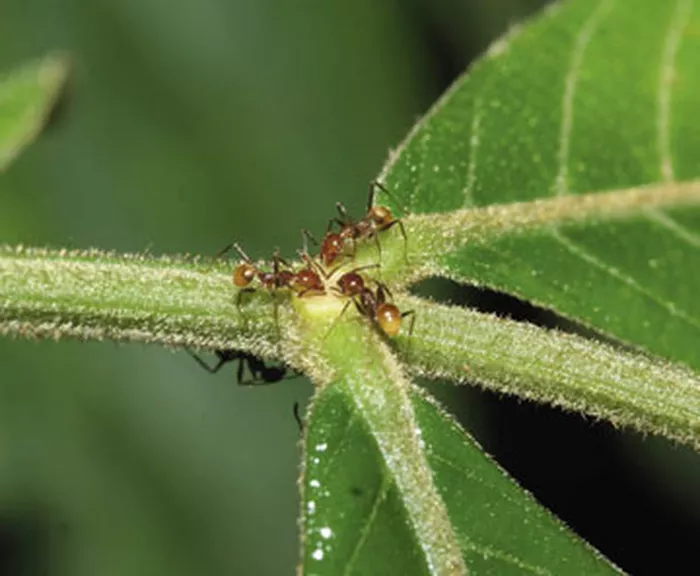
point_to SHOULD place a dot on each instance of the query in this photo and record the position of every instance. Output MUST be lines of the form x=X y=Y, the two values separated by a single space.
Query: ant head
x=389 y=319
x=243 y=275
x=381 y=216
x=308 y=279
x=332 y=248
x=351 y=284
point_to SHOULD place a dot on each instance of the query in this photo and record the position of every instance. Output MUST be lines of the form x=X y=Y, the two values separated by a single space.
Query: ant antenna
x=241 y=253
x=375 y=185
x=297 y=417
x=308 y=237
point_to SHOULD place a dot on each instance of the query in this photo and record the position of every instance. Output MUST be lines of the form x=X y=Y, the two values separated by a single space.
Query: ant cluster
x=322 y=275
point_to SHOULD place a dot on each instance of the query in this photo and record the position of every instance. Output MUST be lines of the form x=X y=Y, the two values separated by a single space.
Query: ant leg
x=403 y=233
x=379 y=246
x=223 y=359
x=337 y=221
x=412 y=314
x=375 y=185
x=308 y=236
x=276 y=314
x=311 y=263
x=382 y=290
x=242 y=361
x=338 y=318
x=297 y=417
x=367 y=267
x=239 y=298
x=310 y=292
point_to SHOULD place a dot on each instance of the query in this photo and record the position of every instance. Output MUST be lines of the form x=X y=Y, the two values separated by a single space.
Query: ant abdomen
x=243 y=275
x=389 y=317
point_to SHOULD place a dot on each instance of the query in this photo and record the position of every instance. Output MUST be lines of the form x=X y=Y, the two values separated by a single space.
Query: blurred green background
x=187 y=125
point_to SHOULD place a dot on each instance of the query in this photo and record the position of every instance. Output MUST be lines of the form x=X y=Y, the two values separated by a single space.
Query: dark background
x=189 y=124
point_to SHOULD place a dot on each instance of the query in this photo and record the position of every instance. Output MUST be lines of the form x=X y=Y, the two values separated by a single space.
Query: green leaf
x=590 y=114
x=356 y=507
x=26 y=98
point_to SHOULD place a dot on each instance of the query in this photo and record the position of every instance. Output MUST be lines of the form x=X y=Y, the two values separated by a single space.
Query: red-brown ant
x=332 y=247
x=247 y=271
x=305 y=282
x=308 y=280
x=377 y=219
x=372 y=305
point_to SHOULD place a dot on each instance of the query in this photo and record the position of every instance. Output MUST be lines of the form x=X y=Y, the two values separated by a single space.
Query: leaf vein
x=474 y=141
x=581 y=43
x=586 y=256
x=378 y=500
x=674 y=227
x=487 y=551
x=667 y=76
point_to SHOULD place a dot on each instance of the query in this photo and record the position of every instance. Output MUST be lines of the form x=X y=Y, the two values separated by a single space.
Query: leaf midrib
x=448 y=232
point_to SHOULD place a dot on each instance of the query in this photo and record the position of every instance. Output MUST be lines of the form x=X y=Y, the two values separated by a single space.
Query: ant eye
x=243 y=275
x=389 y=319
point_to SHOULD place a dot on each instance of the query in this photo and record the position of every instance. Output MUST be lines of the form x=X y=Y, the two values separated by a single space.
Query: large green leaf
x=392 y=485
x=568 y=154
x=26 y=97
x=594 y=100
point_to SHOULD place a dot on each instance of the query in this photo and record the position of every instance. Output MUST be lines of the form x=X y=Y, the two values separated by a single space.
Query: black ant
x=261 y=373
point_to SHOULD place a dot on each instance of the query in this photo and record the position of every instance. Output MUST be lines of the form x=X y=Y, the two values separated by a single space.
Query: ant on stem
x=306 y=282
x=372 y=305
x=376 y=219
x=261 y=373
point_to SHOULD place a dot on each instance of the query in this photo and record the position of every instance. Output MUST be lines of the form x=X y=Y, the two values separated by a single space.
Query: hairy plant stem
x=191 y=303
